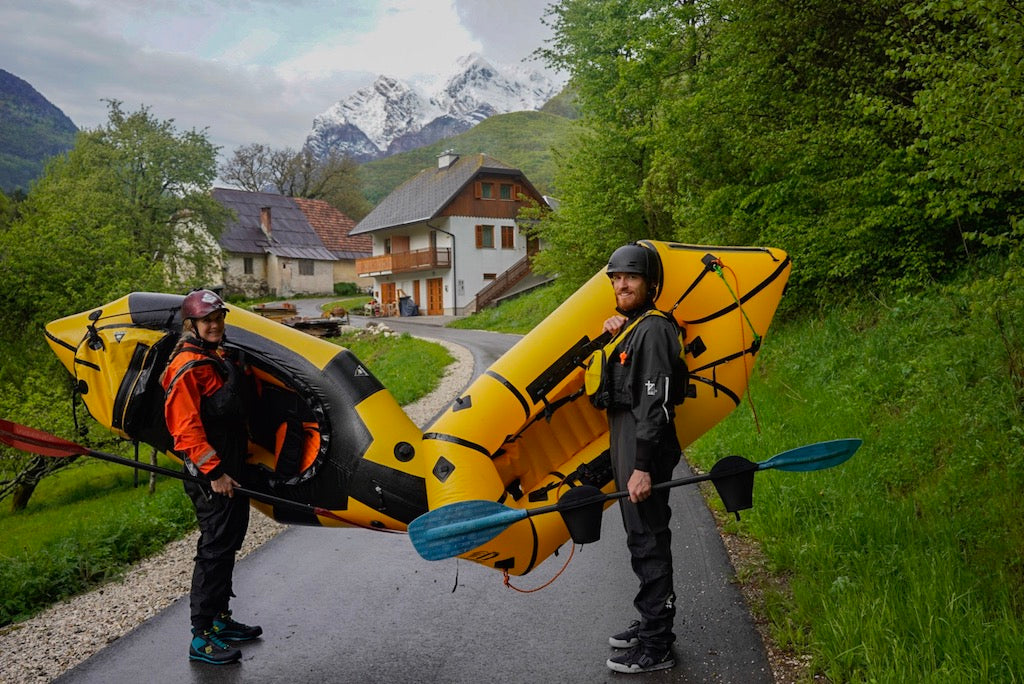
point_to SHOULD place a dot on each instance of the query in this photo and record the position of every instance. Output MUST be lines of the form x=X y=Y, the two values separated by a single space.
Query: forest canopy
x=877 y=141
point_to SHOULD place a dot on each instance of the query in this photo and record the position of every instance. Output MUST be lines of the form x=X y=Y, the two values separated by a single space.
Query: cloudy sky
x=248 y=71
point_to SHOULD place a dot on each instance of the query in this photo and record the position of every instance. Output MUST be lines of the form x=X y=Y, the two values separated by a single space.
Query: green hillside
x=521 y=139
x=32 y=130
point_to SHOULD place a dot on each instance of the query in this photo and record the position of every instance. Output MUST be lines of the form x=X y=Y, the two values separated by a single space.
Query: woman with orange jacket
x=205 y=411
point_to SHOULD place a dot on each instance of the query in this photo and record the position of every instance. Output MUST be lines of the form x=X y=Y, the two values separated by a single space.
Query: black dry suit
x=223 y=521
x=639 y=374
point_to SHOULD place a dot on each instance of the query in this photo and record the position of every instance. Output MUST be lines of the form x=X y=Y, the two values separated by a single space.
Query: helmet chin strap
x=203 y=342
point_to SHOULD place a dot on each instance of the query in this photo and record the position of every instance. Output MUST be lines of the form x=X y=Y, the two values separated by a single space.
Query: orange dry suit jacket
x=204 y=410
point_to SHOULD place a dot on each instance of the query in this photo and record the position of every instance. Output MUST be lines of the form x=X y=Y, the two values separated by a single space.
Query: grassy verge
x=85 y=524
x=519 y=315
x=905 y=563
x=408 y=366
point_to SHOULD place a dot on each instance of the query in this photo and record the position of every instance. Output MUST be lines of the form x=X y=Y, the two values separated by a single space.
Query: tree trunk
x=152 y=475
x=28 y=480
x=22 y=493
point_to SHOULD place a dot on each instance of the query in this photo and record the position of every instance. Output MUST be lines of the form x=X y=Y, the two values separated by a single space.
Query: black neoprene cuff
x=645 y=453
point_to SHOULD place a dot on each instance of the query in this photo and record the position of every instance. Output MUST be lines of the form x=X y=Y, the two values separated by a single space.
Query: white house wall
x=284 y=278
x=236 y=280
x=466 y=276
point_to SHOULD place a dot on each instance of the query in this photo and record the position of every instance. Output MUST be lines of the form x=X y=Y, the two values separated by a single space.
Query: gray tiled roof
x=423 y=196
x=291 y=233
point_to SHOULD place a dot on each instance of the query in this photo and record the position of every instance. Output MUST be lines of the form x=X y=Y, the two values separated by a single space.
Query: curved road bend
x=351 y=606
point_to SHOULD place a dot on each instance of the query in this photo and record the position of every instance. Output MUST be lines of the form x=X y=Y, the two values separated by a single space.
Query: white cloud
x=245 y=70
x=407 y=39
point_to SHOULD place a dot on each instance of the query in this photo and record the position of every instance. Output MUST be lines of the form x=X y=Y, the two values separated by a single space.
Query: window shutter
x=479 y=236
x=478 y=192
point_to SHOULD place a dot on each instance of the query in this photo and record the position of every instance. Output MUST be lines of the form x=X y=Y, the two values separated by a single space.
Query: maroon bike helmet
x=200 y=304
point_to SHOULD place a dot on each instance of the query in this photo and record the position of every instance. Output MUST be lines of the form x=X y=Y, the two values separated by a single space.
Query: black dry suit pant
x=648 y=535
x=223 y=521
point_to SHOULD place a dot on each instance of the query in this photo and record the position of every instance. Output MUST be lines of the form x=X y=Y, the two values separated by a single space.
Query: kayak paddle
x=459 y=527
x=35 y=441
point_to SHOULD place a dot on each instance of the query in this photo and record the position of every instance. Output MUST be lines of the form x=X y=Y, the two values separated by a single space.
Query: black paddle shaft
x=38 y=442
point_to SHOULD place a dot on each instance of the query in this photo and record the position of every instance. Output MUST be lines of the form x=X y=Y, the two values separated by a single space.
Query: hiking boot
x=207 y=647
x=628 y=638
x=229 y=629
x=642 y=658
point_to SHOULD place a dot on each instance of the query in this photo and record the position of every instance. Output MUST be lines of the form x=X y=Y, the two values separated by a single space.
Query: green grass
x=408 y=366
x=83 y=526
x=86 y=524
x=519 y=315
x=906 y=563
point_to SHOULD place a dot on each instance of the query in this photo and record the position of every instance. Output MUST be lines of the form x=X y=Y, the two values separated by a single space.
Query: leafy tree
x=104 y=220
x=6 y=210
x=625 y=58
x=334 y=179
x=969 y=58
x=870 y=138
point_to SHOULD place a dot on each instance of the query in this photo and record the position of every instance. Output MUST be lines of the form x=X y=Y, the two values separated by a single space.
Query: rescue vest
x=596 y=377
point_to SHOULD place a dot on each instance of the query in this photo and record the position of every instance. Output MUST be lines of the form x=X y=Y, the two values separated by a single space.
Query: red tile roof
x=333 y=227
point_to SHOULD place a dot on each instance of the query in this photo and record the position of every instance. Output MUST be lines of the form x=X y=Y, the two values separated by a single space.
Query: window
x=247 y=265
x=306 y=267
x=490 y=276
x=487 y=190
x=506 y=191
x=508 y=240
x=485 y=237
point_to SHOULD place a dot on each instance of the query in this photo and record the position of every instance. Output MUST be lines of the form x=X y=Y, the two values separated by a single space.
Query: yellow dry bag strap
x=593 y=378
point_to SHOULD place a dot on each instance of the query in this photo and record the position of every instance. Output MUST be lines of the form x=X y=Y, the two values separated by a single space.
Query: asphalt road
x=362 y=607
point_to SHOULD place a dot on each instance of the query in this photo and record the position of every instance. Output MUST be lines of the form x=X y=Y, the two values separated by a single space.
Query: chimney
x=265 y=220
x=446 y=159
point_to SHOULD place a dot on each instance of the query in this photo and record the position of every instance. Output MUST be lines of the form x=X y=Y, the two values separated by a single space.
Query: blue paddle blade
x=817 y=456
x=459 y=527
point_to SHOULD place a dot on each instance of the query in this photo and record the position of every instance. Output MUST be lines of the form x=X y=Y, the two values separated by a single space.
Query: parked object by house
x=273 y=245
x=448 y=237
x=276 y=312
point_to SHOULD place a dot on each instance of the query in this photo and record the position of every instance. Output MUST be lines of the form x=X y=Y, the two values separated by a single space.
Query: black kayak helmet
x=640 y=259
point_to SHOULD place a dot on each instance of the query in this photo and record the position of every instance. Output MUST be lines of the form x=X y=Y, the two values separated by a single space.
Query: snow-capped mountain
x=391 y=116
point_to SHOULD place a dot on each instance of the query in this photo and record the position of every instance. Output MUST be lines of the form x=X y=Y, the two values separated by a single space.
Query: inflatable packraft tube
x=525 y=431
x=326 y=433
x=323 y=430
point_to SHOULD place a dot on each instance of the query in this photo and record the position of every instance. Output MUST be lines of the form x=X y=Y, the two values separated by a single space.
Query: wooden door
x=435 y=296
x=388 y=299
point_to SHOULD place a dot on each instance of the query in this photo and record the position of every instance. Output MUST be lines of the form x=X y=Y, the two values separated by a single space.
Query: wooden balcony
x=404 y=262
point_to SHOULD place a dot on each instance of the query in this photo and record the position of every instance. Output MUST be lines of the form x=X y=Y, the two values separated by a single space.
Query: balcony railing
x=401 y=262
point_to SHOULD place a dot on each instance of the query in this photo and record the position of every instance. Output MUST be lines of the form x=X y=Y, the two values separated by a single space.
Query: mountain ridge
x=524 y=140
x=392 y=116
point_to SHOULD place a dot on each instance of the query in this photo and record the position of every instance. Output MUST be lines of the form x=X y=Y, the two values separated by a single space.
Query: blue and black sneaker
x=229 y=629
x=207 y=647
